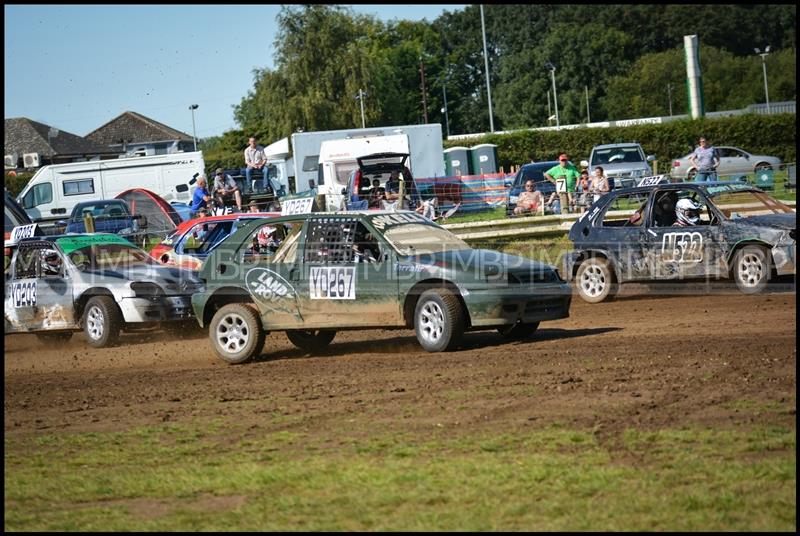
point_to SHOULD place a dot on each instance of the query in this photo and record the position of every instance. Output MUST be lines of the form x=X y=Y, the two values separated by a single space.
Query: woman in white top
x=600 y=184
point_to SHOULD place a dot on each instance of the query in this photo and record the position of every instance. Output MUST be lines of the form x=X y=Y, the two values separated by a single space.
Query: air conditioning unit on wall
x=31 y=160
x=10 y=161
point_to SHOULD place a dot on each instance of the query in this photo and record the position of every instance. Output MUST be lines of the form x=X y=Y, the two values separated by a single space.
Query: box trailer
x=54 y=190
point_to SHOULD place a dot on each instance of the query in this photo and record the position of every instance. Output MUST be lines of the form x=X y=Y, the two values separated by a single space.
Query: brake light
x=676 y=163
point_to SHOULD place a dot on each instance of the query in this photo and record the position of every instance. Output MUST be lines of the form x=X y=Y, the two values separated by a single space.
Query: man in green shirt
x=564 y=176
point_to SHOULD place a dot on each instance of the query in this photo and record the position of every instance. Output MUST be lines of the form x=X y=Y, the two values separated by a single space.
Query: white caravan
x=54 y=190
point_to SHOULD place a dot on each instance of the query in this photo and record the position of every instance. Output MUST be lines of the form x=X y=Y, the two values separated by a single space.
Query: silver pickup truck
x=622 y=163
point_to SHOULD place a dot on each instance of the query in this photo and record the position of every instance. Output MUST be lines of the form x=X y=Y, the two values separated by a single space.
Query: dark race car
x=713 y=230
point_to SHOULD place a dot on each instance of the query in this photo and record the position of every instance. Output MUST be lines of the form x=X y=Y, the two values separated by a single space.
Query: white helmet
x=687 y=211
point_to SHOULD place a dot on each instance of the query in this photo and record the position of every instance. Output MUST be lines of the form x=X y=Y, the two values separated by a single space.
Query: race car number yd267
x=329 y=283
x=24 y=294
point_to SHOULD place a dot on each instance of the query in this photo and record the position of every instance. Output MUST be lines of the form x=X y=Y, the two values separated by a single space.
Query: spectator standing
x=200 y=197
x=705 y=159
x=600 y=183
x=225 y=187
x=582 y=196
x=564 y=176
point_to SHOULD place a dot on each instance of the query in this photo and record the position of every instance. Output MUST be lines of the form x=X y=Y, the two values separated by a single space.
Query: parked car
x=98 y=282
x=193 y=240
x=623 y=163
x=736 y=231
x=534 y=172
x=325 y=272
x=110 y=216
x=734 y=162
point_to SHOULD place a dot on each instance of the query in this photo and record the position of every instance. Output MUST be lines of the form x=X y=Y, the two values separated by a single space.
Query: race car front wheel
x=439 y=320
x=595 y=280
x=310 y=340
x=751 y=269
x=236 y=333
x=102 y=321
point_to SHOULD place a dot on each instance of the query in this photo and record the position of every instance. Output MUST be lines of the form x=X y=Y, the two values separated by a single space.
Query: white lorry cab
x=338 y=160
x=54 y=190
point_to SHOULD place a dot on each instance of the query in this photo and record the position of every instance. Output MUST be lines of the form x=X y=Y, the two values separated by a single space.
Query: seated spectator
x=529 y=201
x=376 y=194
x=225 y=188
x=252 y=206
x=200 y=197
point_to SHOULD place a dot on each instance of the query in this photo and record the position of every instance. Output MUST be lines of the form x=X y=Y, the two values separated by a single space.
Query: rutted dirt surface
x=646 y=362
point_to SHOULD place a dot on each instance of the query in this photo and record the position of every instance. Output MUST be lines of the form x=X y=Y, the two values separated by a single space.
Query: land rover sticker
x=268 y=286
x=329 y=283
x=24 y=294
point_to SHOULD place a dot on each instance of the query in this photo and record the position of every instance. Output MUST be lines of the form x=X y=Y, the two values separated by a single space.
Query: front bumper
x=163 y=308
x=571 y=258
x=500 y=306
x=784 y=258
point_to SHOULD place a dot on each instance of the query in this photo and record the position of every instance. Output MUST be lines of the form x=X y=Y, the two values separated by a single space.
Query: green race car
x=314 y=274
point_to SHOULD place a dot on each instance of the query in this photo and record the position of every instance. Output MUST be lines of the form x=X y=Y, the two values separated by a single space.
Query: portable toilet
x=483 y=158
x=456 y=161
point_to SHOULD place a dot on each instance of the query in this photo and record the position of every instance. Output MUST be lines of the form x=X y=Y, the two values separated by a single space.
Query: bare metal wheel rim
x=232 y=333
x=751 y=270
x=593 y=282
x=431 y=322
x=95 y=322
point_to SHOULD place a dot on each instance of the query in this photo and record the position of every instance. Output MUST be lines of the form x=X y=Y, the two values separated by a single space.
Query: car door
x=678 y=252
x=342 y=287
x=623 y=238
x=38 y=299
x=271 y=273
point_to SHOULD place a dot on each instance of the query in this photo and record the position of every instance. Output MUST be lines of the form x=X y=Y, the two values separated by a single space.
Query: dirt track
x=640 y=361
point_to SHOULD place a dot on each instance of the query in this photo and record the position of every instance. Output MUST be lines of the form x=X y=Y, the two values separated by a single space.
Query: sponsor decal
x=388 y=220
x=329 y=283
x=682 y=247
x=296 y=206
x=70 y=244
x=24 y=294
x=267 y=286
x=412 y=268
x=23 y=231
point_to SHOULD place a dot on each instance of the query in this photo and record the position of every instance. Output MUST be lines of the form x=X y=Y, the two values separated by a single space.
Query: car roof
x=616 y=145
x=540 y=165
x=734 y=186
x=184 y=225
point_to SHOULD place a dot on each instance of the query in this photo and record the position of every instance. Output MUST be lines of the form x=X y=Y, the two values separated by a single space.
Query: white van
x=338 y=159
x=54 y=190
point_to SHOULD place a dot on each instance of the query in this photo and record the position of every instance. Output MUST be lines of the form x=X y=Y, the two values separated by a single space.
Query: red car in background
x=193 y=240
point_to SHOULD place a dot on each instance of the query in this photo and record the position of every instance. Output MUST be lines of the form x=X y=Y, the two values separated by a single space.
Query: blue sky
x=78 y=67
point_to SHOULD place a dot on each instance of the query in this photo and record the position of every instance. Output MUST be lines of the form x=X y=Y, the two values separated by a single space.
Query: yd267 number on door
x=333 y=283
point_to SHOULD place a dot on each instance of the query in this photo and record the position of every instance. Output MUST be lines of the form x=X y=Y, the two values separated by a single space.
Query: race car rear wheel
x=48 y=337
x=595 y=280
x=751 y=269
x=439 y=320
x=236 y=333
x=518 y=331
x=311 y=340
x=102 y=321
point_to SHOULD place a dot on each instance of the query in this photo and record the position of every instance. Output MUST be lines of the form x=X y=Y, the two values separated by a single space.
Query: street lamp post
x=486 y=62
x=549 y=65
x=764 y=65
x=360 y=98
x=194 y=107
x=444 y=110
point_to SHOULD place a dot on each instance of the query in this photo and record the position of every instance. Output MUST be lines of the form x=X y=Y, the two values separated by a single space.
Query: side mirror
x=584 y=163
x=651 y=157
x=180 y=188
x=61 y=223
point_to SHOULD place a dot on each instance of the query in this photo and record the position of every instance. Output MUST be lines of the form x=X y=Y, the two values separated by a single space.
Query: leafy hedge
x=772 y=135
x=14 y=185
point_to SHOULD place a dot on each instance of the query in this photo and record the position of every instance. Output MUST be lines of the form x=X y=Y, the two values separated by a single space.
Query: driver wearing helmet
x=687 y=212
x=52 y=263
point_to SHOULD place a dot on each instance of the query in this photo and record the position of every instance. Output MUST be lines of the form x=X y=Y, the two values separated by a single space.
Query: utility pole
x=360 y=98
x=194 y=107
x=549 y=65
x=446 y=119
x=424 y=96
x=764 y=65
x=549 y=110
x=669 y=92
x=486 y=62
x=588 y=117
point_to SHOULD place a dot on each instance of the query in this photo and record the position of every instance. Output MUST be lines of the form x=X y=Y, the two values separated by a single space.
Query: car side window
x=25 y=264
x=273 y=242
x=617 y=213
x=330 y=241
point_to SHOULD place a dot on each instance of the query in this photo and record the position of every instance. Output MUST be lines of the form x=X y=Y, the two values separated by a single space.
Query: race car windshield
x=744 y=204
x=418 y=239
x=109 y=257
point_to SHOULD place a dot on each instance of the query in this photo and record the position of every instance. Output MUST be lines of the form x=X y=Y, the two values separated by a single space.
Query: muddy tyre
x=595 y=280
x=518 y=331
x=751 y=269
x=53 y=337
x=236 y=333
x=102 y=321
x=311 y=340
x=439 y=320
